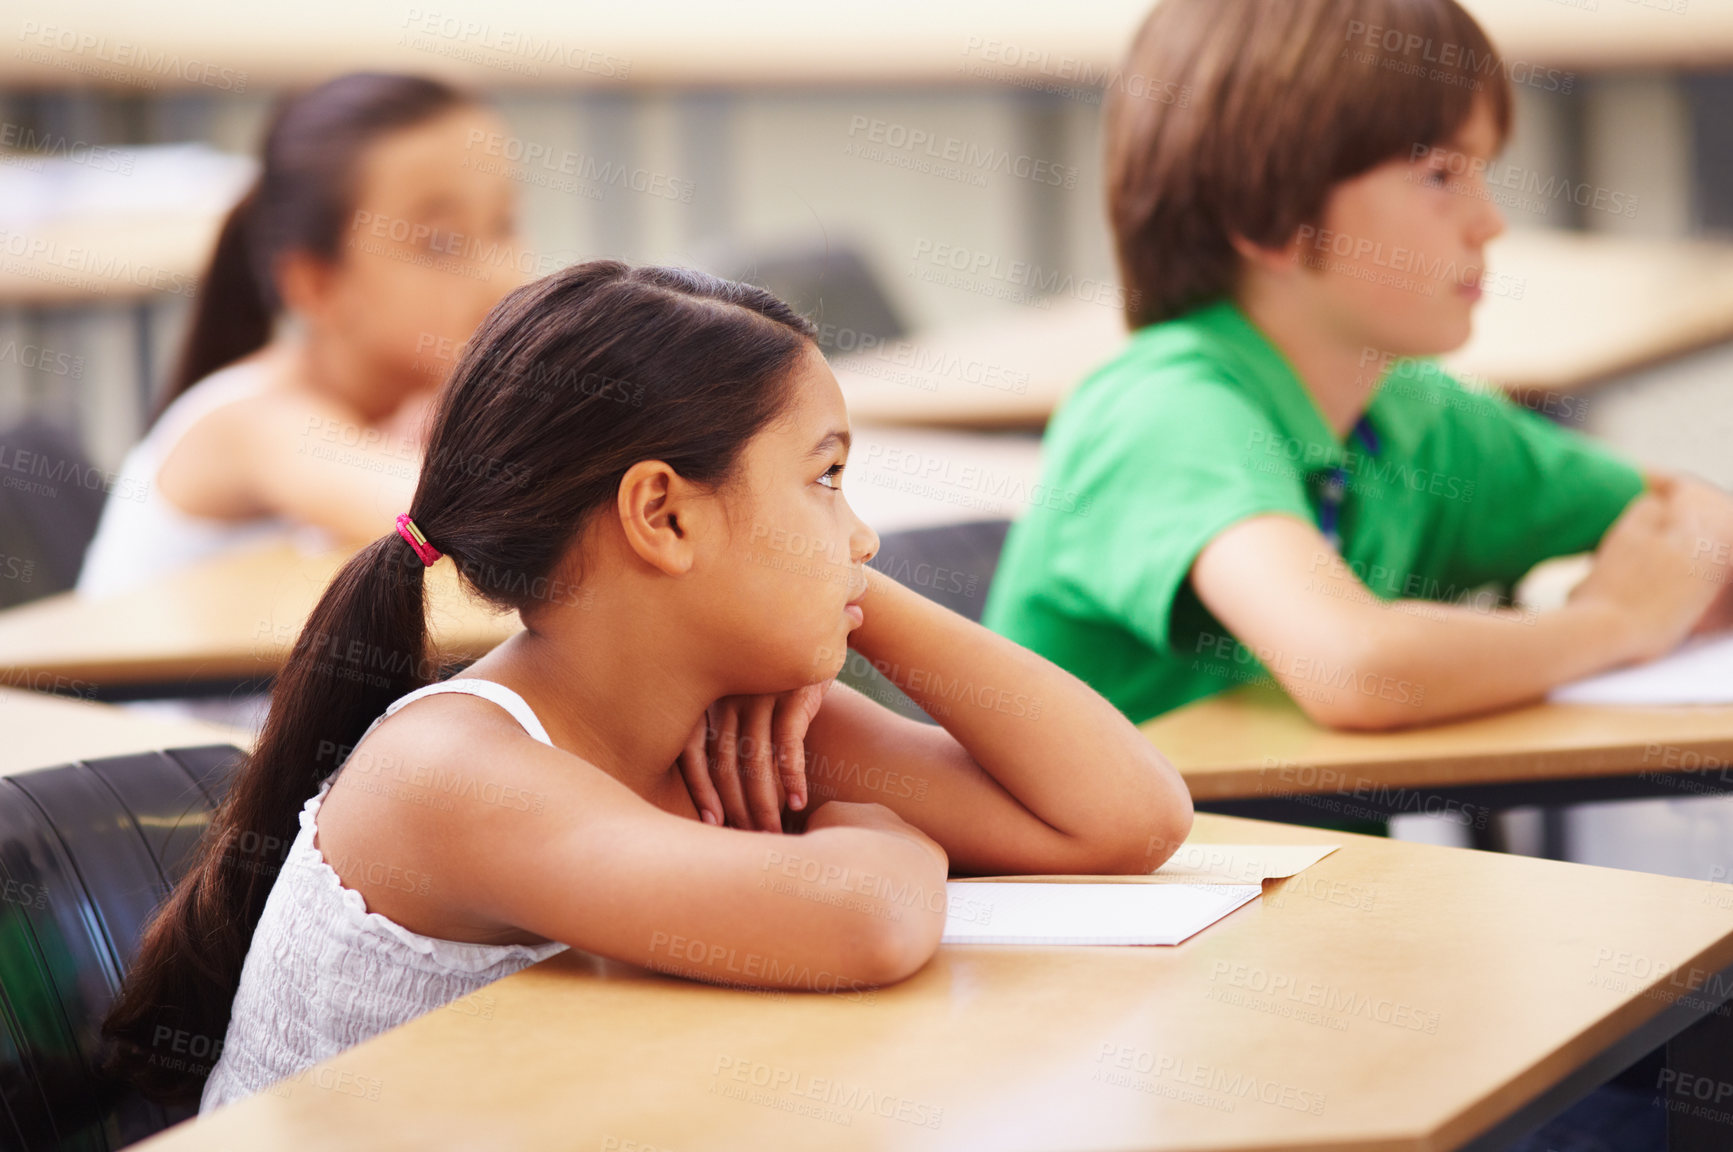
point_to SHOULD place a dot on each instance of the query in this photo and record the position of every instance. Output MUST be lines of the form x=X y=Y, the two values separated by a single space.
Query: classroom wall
x=773 y=168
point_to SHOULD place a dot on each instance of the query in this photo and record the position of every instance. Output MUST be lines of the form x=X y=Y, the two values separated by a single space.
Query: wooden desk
x=1009 y=370
x=43 y=730
x=235 y=618
x=1252 y=751
x=1649 y=34
x=1594 y=306
x=1590 y=306
x=106 y=260
x=904 y=477
x=1427 y=997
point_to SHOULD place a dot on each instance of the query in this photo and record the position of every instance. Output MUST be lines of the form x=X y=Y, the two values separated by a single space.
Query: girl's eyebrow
x=833 y=437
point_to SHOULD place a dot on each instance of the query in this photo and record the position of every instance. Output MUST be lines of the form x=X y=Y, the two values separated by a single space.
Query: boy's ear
x=662 y=515
x=1266 y=259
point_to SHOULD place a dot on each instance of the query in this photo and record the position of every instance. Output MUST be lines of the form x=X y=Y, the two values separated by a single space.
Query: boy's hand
x=1719 y=616
x=1711 y=510
x=1653 y=570
x=747 y=754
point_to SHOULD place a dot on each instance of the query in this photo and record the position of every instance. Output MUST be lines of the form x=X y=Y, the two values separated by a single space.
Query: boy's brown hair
x=1245 y=113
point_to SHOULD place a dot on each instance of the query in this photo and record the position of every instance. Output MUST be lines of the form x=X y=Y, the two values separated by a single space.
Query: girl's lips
x=855 y=613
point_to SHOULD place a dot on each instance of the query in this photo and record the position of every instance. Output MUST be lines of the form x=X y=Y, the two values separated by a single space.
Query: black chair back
x=832 y=284
x=952 y=564
x=87 y=852
x=49 y=506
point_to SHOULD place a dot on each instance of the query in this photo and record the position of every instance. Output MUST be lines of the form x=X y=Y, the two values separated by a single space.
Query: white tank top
x=141 y=535
x=323 y=973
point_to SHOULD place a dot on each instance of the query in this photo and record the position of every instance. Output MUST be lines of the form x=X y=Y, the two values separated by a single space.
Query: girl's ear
x=661 y=515
x=305 y=283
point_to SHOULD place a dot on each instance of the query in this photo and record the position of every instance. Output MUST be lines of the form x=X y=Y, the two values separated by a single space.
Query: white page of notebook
x=1196 y=863
x=1698 y=672
x=1018 y=913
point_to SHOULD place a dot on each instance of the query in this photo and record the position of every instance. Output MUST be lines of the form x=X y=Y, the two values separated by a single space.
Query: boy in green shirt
x=1272 y=484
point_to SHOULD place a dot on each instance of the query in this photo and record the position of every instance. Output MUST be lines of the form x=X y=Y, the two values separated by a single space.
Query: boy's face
x=1398 y=260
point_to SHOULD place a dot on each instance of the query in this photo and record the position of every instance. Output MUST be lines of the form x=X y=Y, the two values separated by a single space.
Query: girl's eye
x=832 y=477
x=1437 y=177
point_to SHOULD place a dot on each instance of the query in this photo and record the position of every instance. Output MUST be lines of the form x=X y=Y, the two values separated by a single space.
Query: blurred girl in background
x=369 y=248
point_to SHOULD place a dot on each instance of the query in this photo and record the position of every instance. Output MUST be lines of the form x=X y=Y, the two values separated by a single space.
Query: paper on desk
x=1197 y=886
x=1698 y=672
x=1204 y=864
x=1039 y=913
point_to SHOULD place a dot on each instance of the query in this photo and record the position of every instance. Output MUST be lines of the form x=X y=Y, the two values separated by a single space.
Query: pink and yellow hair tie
x=406 y=528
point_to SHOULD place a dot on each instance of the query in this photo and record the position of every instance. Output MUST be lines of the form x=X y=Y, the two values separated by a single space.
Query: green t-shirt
x=1200 y=423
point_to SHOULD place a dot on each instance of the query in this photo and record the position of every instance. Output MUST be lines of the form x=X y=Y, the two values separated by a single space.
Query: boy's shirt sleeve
x=1162 y=476
x=1540 y=490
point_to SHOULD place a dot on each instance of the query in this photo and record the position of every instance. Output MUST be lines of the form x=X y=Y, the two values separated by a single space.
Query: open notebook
x=1198 y=886
x=1698 y=672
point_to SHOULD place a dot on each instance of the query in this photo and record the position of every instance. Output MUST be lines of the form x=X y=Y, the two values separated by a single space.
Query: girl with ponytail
x=377 y=239
x=645 y=464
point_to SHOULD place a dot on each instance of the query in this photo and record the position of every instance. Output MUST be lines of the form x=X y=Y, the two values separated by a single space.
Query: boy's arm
x=1353 y=661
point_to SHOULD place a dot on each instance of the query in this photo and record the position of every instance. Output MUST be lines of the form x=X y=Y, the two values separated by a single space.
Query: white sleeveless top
x=141 y=535
x=323 y=974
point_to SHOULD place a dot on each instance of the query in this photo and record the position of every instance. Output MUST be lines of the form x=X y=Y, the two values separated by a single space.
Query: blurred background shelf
x=525 y=42
x=777 y=120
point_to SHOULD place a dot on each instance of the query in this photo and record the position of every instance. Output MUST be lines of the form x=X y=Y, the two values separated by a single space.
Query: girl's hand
x=748 y=753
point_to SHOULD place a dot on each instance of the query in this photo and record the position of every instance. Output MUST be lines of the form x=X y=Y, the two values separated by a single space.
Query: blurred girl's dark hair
x=569 y=382
x=300 y=201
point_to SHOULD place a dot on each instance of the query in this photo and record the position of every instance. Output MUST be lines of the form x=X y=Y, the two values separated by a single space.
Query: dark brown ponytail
x=569 y=382
x=330 y=689
x=303 y=196
x=232 y=317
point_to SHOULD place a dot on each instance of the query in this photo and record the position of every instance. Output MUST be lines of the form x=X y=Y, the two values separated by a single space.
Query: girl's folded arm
x=298 y=457
x=1029 y=770
x=317 y=465
x=858 y=902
